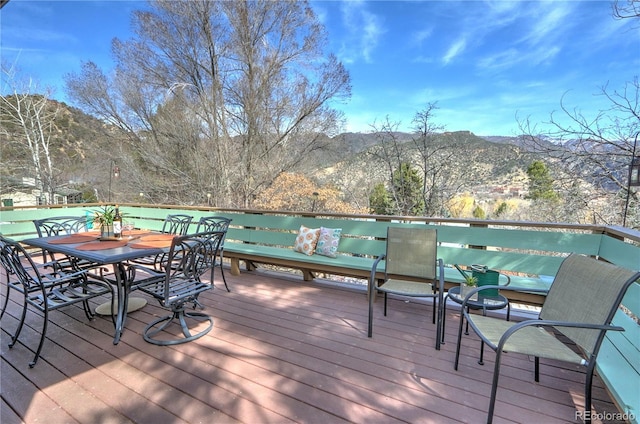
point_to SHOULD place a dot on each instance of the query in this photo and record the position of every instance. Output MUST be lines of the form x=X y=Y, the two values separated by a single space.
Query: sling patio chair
x=412 y=269
x=580 y=305
x=46 y=292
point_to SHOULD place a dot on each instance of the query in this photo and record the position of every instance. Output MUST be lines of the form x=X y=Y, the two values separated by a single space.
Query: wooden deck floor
x=282 y=350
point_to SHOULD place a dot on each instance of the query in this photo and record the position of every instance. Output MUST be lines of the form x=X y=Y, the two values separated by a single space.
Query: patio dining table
x=116 y=253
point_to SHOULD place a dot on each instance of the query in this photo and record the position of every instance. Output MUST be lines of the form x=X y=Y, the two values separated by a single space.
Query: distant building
x=23 y=192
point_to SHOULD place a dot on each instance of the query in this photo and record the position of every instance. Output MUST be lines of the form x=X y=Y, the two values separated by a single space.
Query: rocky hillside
x=494 y=163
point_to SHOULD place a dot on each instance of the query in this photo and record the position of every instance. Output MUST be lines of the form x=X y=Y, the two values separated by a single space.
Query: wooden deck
x=282 y=350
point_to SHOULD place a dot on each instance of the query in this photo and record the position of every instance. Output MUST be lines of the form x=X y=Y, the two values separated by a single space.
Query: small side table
x=485 y=303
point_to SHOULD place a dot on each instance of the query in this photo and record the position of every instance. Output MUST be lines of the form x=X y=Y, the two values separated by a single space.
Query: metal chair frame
x=61 y=225
x=177 y=224
x=58 y=226
x=216 y=223
x=189 y=257
x=173 y=224
x=412 y=269
x=581 y=303
x=46 y=292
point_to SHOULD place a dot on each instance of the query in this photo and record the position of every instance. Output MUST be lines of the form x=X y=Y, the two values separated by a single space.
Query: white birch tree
x=27 y=124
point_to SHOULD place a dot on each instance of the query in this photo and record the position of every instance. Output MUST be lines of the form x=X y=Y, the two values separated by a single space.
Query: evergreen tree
x=380 y=201
x=407 y=191
x=479 y=213
x=540 y=183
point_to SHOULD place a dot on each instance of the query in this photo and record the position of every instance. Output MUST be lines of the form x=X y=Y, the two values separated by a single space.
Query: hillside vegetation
x=485 y=171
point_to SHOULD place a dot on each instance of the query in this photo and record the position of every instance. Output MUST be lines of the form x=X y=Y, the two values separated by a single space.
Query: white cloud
x=420 y=36
x=364 y=30
x=454 y=50
x=552 y=23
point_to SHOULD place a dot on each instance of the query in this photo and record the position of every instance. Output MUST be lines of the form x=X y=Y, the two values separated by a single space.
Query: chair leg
x=494 y=387
x=224 y=280
x=14 y=339
x=438 y=323
x=433 y=319
x=6 y=301
x=385 y=304
x=87 y=310
x=370 y=296
x=466 y=328
x=587 y=392
x=536 y=369
x=180 y=315
x=459 y=342
x=444 y=317
x=481 y=361
x=42 y=336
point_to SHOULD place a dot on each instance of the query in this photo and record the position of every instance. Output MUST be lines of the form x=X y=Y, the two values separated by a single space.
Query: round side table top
x=486 y=302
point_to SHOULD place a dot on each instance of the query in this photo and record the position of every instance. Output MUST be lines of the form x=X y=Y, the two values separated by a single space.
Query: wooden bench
x=530 y=256
x=269 y=239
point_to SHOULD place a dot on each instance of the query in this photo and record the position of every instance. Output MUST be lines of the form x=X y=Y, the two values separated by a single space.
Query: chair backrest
x=213 y=223
x=586 y=290
x=412 y=252
x=60 y=225
x=190 y=256
x=176 y=224
x=13 y=258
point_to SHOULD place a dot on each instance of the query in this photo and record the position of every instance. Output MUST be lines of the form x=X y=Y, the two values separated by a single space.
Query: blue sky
x=482 y=62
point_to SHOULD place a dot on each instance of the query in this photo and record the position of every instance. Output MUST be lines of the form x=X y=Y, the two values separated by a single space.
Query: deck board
x=282 y=350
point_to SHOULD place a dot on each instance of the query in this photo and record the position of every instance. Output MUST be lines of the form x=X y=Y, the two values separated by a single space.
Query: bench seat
x=347 y=265
x=357 y=267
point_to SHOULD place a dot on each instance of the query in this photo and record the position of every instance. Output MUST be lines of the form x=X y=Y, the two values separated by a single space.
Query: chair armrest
x=501 y=288
x=61 y=274
x=441 y=278
x=372 y=278
x=548 y=323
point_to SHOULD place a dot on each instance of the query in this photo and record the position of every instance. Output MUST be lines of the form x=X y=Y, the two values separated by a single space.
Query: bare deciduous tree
x=27 y=124
x=625 y=9
x=425 y=149
x=597 y=149
x=218 y=96
x=434 y=160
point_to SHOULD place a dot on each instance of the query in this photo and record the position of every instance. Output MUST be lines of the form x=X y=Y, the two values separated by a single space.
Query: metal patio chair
x=216 y=223
x=59 y=226
x=173 y=224
x=46 y=292
x=189 y=257
x=411 y=269
x=54 y=226
x=176 y=224
x=580 y=305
